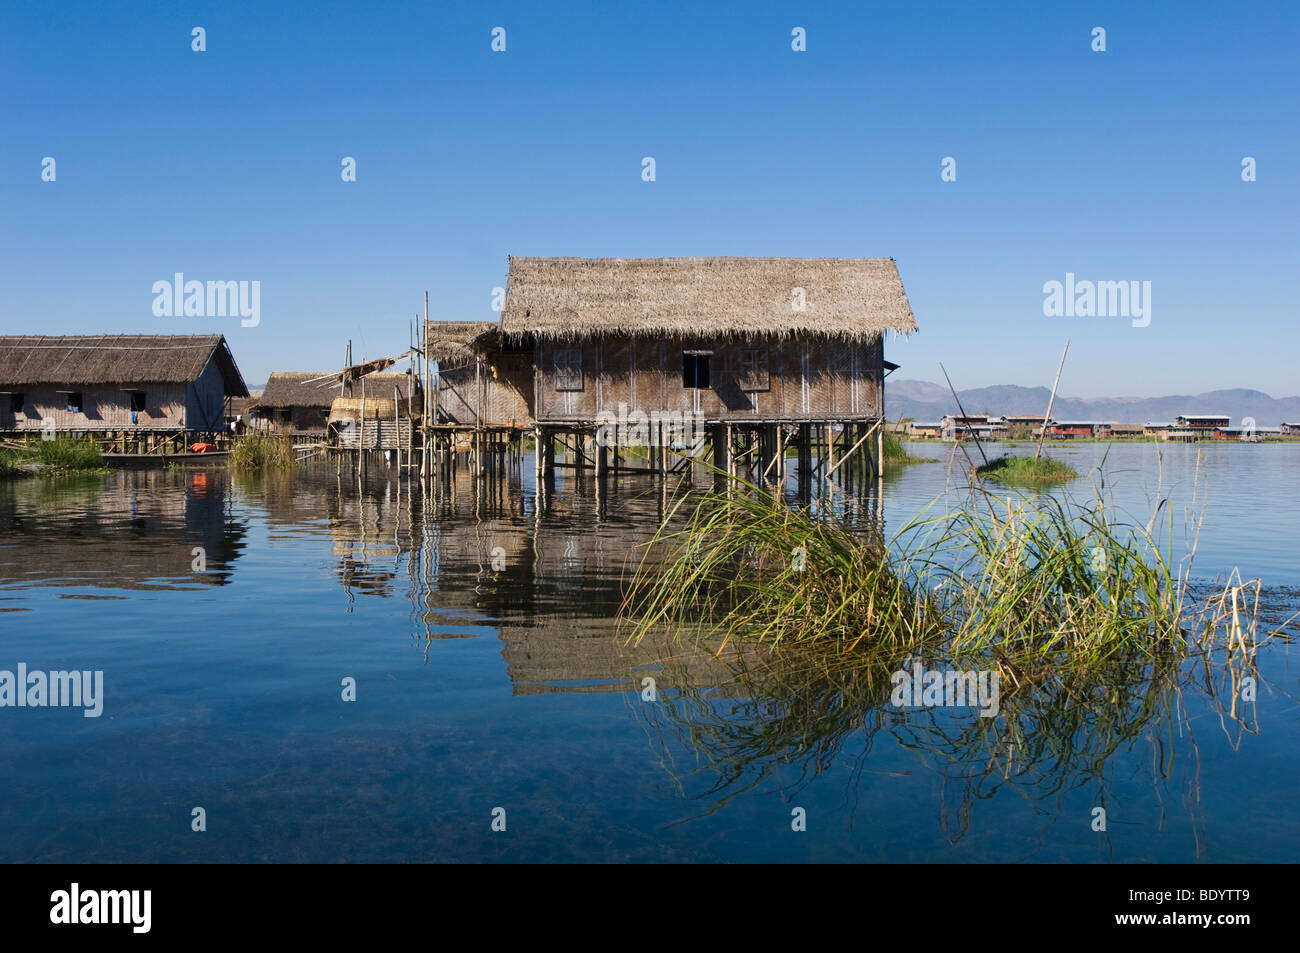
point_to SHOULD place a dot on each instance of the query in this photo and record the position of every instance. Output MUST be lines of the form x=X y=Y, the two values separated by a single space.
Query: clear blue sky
x=225 y=165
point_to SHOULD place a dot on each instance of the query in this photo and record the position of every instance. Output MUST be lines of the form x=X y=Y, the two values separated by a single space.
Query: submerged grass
x=259 y=451
x=1040 y=587
x=1028 y=471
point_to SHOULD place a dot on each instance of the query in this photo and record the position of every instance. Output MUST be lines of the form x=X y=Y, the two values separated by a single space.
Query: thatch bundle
x=454 y=342
x=855 y=299
x=351 y=408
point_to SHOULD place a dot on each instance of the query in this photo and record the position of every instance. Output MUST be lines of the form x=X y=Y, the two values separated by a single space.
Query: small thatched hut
x=117 y=382
x=729 y=339
x=302 y=402
x=483 y=379
x=297 y=402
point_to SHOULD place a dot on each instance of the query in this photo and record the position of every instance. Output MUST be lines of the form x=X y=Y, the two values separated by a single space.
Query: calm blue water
x=480 y=687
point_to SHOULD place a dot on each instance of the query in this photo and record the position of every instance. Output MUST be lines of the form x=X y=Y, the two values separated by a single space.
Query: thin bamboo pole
x=1042 y=431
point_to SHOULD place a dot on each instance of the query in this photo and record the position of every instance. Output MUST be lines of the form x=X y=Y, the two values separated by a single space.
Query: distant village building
x=1084 y=429
x=94 y=384
x=958 y=427
x=1126 y=430
x=1291 y=429
x=1249 y=434
x=1022 y=426
x=1204 y=424
x=929 y=430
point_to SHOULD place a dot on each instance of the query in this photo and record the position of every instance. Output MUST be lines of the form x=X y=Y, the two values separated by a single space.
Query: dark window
x=74 y=402
x=568 y=368
x=695 y=371
x=286 y=415
x=137 y=401
x=16 y=404
x=754 y=369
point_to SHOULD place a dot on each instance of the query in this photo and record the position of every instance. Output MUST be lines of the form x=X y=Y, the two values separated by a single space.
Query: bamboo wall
x=103 y=408
x=198 y=405
x=302 y=420
x=499 y=394
x=807 y=380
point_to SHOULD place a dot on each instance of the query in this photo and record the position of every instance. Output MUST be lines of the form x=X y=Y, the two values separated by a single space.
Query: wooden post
x=361 y=430
x=1042 y=431
x=425 y=383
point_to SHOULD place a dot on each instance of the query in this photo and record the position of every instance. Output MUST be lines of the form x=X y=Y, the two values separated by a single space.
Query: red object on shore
x=203 y=447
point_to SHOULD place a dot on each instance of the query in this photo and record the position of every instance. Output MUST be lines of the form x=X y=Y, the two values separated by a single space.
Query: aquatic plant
x=1028 y=471
x=10 y=464
x=258 y=451
x=745 y=563
x=896 y=452
x=68 y=454
x=1041 y=585
x=63 y=455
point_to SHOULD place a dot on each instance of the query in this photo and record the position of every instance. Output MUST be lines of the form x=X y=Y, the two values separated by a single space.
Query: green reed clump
x=52 y=457
x=1028 y=471
x=11 y=463
x=1043 y=583
x=747 y=565
x=258 y=451
x=66 y=453
x=1051 y=581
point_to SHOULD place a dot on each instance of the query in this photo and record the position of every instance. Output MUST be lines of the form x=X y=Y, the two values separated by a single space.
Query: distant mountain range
x=926 y=401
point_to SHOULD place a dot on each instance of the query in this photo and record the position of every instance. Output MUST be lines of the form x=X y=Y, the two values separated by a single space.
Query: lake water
x=488 y=674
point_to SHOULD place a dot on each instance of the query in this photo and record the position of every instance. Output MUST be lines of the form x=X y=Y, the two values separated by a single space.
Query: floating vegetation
x=1028 y=471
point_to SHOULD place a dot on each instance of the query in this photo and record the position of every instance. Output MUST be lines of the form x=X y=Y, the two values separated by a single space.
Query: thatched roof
x=319 y=388
x=451 y=342
x=850 y=298
x=38 y=360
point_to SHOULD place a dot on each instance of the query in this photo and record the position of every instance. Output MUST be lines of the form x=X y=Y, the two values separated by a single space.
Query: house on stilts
x=743 y=358
x=138 y=393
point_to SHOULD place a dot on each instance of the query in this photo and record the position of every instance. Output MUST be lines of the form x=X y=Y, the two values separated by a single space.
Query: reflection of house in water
x=586 y=654
x=549 y=586
x=136 y=532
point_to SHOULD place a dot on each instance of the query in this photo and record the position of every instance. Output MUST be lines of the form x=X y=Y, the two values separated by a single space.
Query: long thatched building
x=92 y=384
